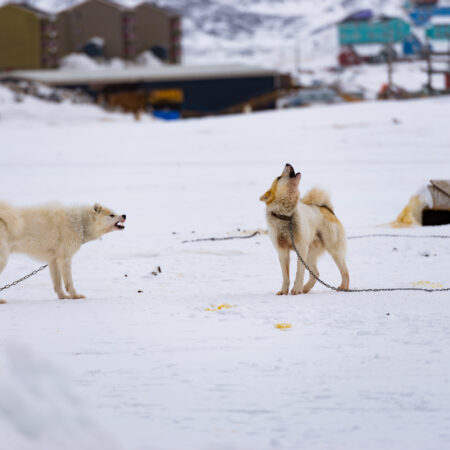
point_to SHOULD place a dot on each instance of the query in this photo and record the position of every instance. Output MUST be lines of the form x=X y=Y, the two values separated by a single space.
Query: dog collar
x=281 y=216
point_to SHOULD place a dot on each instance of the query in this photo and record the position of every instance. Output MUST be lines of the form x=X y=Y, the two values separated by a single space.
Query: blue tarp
x=412 y=46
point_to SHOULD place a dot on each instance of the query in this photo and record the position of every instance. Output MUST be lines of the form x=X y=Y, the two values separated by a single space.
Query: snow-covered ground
x=163 y=368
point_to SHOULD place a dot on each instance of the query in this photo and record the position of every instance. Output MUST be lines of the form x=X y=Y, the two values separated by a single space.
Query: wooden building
x=204 y=90
x=28 y=38
x=126 y=32
x=159 y=30
x=111 y=22
x=32 y=39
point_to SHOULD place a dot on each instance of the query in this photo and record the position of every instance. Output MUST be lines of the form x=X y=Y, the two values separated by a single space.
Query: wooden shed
x=439 y=212
x=28 y=38
x=430 y=206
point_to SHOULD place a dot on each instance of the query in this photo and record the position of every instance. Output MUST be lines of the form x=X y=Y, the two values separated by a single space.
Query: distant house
x=28 y=38
x=124 y=31
x=158 y=30
x=424 y=2
x=383 y=30
x=114 y=24
x=439 y=28
x=421 y=14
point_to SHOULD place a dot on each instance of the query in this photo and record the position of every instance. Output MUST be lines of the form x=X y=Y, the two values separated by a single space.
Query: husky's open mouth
x=291 y=171
x=119 y=225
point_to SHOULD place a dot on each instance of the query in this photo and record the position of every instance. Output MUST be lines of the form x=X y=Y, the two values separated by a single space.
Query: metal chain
x=227 y=238
x=329 y=286
x=23 y=278
x=435 y=236
x=358 y=236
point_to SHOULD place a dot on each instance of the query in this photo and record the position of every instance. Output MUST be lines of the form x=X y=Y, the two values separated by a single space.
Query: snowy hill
x=272 y=33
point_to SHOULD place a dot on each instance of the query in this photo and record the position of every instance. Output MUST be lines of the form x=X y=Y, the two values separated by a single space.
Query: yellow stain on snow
x=283 y=326
x=410 y=214
x=428 y=284
x=220 y=307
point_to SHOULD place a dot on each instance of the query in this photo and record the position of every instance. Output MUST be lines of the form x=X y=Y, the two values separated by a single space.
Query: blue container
x=166 y=115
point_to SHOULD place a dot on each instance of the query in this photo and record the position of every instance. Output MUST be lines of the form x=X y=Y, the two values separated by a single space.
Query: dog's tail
x=10 y=218
x=318 y=197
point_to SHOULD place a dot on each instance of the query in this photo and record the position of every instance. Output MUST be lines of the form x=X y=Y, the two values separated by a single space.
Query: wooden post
x=429 y=68
x=448 y=52
x=389 y=66
x=297 y=61
x=389 y=62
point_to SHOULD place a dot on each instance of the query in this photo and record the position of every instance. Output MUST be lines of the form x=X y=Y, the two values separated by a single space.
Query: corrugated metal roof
x=136 y=75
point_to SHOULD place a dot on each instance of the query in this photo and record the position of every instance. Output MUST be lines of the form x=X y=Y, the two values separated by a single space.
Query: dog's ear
x=267 y=197
x=97 y=208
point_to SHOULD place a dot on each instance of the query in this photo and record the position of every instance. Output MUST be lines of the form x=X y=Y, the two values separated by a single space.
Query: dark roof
x=32 y=9
x=107 y=2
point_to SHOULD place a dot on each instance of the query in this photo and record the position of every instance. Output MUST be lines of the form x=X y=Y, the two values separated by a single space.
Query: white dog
x=53 y=233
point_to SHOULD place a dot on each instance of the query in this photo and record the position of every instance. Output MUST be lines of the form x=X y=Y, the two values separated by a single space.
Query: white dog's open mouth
x=119 y=225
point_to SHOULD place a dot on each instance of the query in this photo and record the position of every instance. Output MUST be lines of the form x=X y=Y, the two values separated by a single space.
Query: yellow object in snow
x=283 y=326
x=411 y=214
x=218 y=308
x=428 y=284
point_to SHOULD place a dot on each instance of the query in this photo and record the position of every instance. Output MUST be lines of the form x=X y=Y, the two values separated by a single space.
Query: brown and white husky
x=315 y=226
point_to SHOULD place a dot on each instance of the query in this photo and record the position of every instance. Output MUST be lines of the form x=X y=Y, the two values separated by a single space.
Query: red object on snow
x=447 y=80
x=349 y=57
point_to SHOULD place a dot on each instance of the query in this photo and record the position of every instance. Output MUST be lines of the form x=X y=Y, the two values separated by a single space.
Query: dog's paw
x=2 y=302
x=342 y=288
x=296 y=291
x=63 y=296
x=77 y=296
x=283 y=292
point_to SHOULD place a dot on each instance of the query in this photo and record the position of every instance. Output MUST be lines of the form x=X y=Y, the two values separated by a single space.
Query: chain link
x=23 y=278
x=329 y=286
x=434 y=236
x=227 y=238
